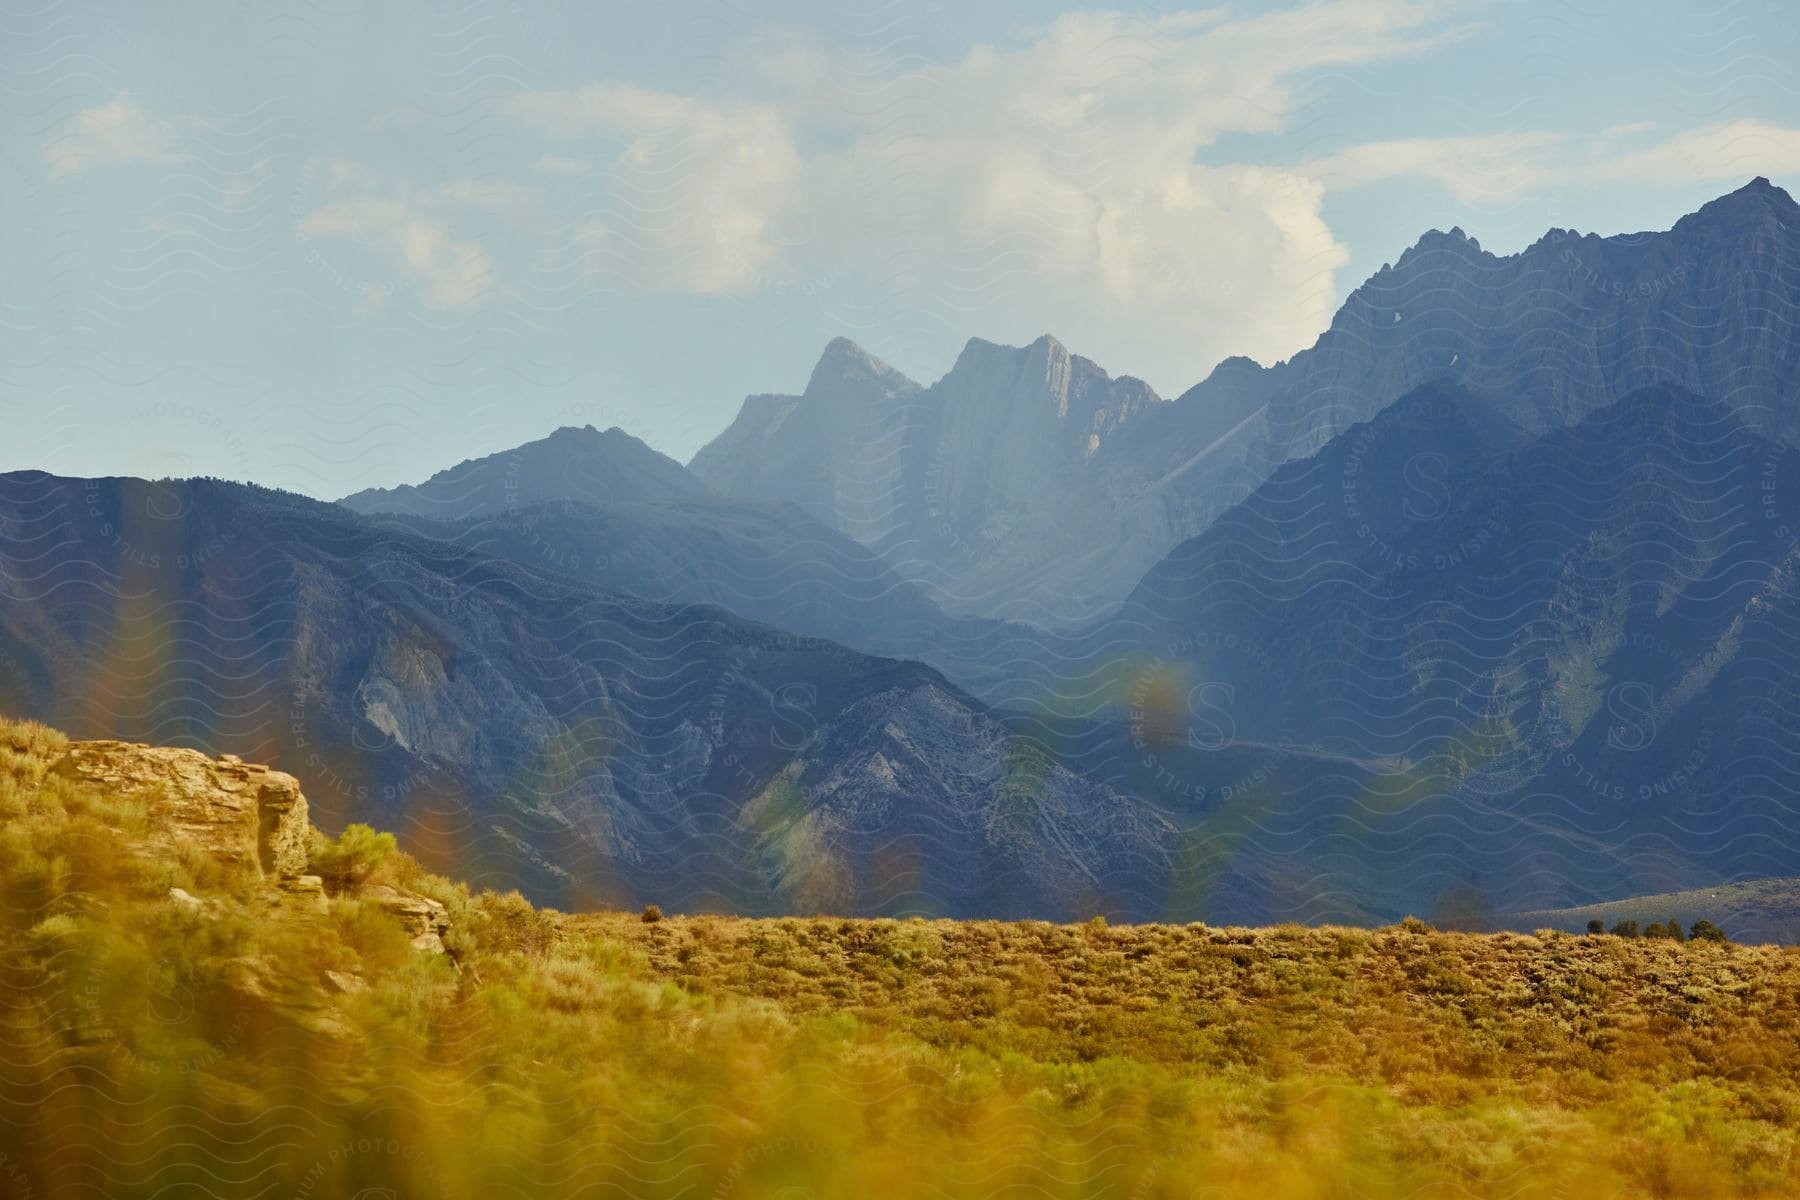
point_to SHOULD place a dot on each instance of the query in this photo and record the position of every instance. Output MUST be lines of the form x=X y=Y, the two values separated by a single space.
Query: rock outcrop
x=424 y=919
x=242 y=812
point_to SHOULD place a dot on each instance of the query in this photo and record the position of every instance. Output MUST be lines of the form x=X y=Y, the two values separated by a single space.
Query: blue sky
x=333 y=245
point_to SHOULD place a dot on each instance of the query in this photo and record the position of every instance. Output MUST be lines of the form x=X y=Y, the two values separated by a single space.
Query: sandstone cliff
x=245 y=814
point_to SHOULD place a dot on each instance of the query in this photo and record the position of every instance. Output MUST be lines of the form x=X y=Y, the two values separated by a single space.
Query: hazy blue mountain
x=1567 y=662
x=1486 y=603
x=834 y=449
x=961 y=486
x=581 y=743
x=607 y=509
x=571 y=464
x=764 y=560
x=1028 y=483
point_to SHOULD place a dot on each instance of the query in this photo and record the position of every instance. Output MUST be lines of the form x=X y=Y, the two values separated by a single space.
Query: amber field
x=233 y=1045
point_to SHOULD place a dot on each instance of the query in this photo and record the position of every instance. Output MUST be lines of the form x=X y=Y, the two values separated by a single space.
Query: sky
x=326 y=245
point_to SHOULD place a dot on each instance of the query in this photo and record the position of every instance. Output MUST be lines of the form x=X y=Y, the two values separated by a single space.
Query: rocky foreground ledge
x=244 y=814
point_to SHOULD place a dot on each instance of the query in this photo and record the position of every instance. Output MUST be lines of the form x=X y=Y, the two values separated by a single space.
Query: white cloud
x=1499 y=167
x=455 y=273
x=1055 y=184
x=1736 y=150
x=1476 y=170
x=701 y=186
x=488 y=195
x=1075 y=161
x=116 y=132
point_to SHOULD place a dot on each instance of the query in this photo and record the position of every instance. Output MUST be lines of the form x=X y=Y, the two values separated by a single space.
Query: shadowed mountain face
x=766 y=560
x=1027 y=483
x=590 y=746
x=1567 y=662
x=606 y=509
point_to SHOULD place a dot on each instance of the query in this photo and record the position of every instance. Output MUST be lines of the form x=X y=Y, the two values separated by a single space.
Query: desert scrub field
x=237 y=1042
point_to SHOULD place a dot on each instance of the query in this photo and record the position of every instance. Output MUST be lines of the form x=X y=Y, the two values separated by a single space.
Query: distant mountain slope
x=1568 y=663
x=581 y=743
x=571 y=464
x=832 y=449
x=1548 y=335
x=1027 y=483
x=764 y=560
x=1760 y=911
x=588 y=513
x=960 y=485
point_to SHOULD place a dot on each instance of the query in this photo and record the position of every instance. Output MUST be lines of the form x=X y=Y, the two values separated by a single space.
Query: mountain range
x=585 y=744
x=1027 y=483
x=1484 y=603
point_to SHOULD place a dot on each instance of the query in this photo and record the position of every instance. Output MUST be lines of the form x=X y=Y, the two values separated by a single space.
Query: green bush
x=351 y=859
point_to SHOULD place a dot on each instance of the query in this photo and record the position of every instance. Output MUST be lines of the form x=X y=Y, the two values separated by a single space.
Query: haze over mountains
x=582 y=743
x=570 y=466
x=1484 y=603
x=1027 y=483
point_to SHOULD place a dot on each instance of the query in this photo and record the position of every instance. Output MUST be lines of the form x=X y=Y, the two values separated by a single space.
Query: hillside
x=763 y=560
x=193 y=1006
x=538 y=731
x=1764 y=910
x=585 y=464
x=1563 y=663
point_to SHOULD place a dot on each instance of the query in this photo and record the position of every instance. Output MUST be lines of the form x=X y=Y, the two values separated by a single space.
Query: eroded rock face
x=242 y=812
x=424 y=919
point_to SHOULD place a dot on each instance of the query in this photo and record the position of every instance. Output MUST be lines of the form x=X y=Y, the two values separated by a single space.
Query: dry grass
x=147 y=1049
x=1390 y=1005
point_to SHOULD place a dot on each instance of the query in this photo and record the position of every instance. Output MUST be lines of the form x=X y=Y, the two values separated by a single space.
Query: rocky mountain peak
x=1046 y=363
x=1237 y=366
x=578 y=463
x=1757 y=205
x=1437 y=242
x=1050 y=360
x=580 y=438
x=846 y=364
x=579 y=435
